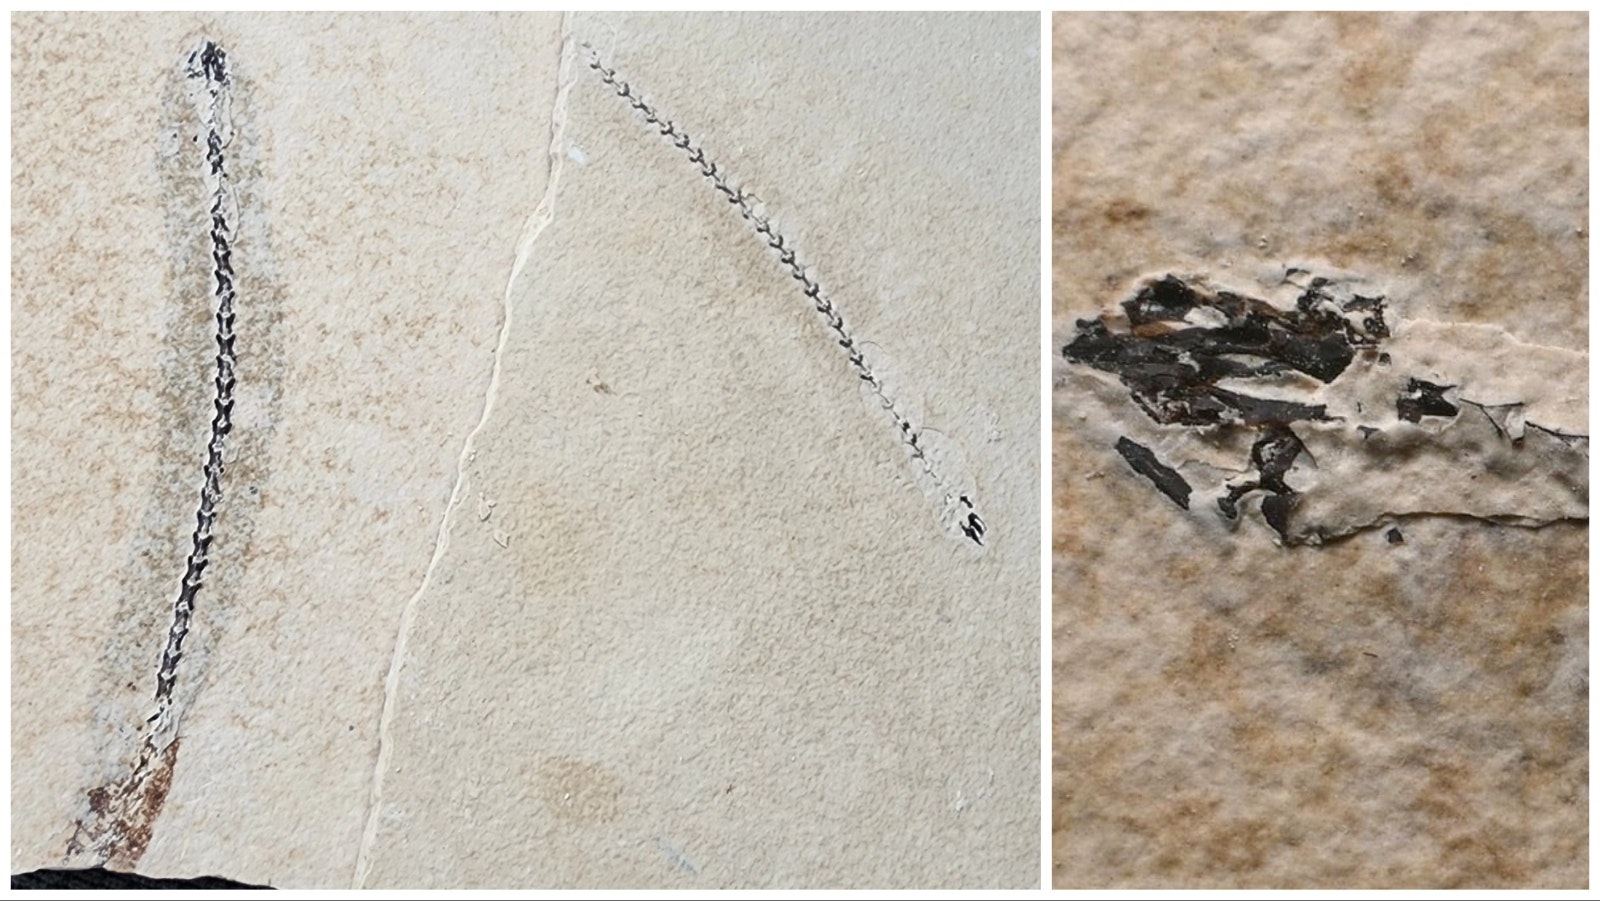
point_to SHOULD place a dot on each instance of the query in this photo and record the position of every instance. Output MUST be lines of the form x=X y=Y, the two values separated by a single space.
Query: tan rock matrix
x=1320 y=424
x=430 y=472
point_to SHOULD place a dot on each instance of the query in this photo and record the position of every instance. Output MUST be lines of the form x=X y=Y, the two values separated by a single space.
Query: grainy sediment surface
x=558 y=545
x=1370 y=713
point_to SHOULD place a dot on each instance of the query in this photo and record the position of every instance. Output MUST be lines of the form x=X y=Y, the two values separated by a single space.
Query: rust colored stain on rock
x=122 y=814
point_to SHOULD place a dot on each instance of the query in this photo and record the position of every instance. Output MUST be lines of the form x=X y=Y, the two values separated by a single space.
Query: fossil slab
x=748 y=642
x=429 y=470
x=381 y=169
x=1345 y=429
x=1320 y=552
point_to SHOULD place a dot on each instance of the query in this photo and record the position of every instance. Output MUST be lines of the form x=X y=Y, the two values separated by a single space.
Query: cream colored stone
x=385 y=167
x=691 y=617
x=725 y=640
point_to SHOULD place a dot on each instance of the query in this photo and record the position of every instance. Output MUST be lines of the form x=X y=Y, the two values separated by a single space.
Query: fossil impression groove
x=122 y=813
x=957 y=507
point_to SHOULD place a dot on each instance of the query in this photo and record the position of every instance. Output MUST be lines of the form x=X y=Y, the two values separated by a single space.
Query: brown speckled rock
x=1367 y=713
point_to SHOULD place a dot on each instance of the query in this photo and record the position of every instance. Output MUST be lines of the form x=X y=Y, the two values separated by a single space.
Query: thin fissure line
x=971 y=525
x=543 y=214
x=210 y=62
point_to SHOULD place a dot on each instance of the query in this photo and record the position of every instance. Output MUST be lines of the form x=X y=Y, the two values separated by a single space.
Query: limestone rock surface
x=1402 y=704
x=561 y=544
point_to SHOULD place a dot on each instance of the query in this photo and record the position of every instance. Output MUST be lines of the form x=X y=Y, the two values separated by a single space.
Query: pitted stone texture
x=1367 y=714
